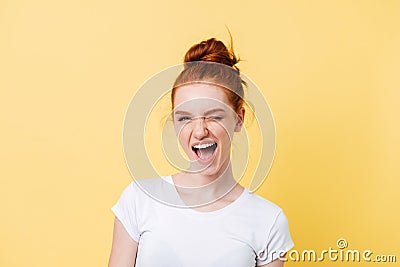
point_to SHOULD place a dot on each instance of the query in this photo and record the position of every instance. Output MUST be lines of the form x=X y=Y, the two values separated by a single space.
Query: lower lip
x=206 y=161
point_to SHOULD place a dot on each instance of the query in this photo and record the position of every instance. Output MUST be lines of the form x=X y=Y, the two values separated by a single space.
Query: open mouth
x=205 y=151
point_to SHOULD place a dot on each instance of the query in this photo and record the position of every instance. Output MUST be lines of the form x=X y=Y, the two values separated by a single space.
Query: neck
x=203 y=188
x=202 y=179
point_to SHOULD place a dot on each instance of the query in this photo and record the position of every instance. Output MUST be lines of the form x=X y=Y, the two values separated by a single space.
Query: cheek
x=179 y=128
x=182 y=133
x=224 y=130
x=222 y=133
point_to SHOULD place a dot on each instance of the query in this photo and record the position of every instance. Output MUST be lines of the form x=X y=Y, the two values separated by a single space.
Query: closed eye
x=216 y=118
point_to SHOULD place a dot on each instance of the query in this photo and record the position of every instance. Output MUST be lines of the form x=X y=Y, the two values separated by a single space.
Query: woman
x=223 y=223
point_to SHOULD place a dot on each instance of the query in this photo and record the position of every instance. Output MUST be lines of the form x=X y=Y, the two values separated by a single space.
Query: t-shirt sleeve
x=125 y=211
x=278 y=242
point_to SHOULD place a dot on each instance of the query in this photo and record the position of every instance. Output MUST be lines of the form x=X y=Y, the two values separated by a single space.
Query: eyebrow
x=183 y=112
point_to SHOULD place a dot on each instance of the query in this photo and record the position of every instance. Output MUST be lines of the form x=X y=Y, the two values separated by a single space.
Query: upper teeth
x=200 y=146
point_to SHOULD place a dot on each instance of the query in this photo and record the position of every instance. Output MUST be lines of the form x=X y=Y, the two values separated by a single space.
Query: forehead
x=193 y=94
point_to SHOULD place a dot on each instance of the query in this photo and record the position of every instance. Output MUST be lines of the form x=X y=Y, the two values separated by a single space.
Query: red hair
x=223 y=73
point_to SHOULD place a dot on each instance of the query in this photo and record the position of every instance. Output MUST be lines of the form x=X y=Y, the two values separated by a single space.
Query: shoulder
x=262 y=213
x=140 y=188
x=139 y=184
x=156 y=190
x=261 y=205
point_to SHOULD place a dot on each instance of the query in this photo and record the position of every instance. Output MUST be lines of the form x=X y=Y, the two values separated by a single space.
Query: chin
x=215 y=168
x=210 y=171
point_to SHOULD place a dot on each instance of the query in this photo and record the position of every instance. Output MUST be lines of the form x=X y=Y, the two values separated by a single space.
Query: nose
x=200 y=128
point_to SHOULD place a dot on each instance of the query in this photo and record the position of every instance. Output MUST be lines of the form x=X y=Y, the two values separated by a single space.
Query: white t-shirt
x=251 y=231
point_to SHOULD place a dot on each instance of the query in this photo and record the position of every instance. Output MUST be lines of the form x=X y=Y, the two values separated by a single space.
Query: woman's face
x=204 y=122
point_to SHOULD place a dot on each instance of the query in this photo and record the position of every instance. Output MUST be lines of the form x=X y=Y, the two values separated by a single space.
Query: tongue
x=206 y=153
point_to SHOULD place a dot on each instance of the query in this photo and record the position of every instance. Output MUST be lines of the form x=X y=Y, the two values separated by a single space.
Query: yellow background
x=68 y=69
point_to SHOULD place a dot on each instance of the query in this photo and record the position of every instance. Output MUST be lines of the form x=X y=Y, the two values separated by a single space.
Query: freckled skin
x=194 y=124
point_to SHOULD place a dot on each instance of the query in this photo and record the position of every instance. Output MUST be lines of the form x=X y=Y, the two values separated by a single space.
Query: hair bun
x=212 y=50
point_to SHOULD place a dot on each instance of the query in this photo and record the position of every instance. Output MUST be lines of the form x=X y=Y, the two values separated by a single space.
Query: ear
x=240 y=119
